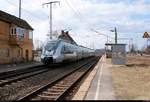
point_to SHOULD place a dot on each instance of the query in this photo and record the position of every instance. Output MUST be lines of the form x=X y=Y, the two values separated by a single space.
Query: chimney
x=62 y=32
x=67 y=32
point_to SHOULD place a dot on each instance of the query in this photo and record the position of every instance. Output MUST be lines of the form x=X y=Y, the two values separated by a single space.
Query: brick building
x=16 y=39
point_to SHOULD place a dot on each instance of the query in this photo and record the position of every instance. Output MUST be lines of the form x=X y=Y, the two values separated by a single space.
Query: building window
x=20 y=32
x=30 y=35
x=14 y=30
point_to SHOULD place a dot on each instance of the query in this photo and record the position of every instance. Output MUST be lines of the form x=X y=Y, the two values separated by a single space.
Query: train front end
x=48 y=52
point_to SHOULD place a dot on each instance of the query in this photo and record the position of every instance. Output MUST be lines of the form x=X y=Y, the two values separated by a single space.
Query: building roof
x=15 y=20
x=67 y=37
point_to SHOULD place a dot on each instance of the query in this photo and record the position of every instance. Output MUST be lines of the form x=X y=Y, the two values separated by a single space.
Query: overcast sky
x=131 y=17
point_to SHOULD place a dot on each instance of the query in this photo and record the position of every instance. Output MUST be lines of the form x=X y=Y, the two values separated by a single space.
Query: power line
x=31 y=13
x=79 y=15
x=76 y=13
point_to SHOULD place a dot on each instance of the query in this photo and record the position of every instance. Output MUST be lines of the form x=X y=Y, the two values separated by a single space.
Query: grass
x=131 y=82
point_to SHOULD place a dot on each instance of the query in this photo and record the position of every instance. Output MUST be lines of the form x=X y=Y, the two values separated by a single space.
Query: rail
x=57 y=89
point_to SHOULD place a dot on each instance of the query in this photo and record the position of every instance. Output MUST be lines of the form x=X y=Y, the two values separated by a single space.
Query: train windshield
x=51 y=45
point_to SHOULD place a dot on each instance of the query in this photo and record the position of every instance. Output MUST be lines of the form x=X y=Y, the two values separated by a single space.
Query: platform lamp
x=115 y=30
x=103 y=35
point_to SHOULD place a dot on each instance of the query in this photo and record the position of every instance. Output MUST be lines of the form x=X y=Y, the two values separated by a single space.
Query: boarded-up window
x=3 y=27
x=4 y=52
x=7 y=53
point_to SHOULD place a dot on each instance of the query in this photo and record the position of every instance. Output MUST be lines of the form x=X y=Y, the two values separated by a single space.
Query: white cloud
x=84 y=15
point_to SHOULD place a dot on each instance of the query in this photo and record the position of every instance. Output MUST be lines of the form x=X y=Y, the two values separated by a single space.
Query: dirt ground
x=138 y=60
x=132 y=81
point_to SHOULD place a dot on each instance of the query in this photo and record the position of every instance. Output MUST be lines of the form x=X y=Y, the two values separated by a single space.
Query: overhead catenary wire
x=27 y=11
x=75 y=12
x=83 y=19
x=50 y=23
x=79 y=15
x=82 y=16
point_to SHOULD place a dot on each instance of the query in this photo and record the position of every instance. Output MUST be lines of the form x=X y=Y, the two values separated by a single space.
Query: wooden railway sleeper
x=54 y=90
x=46 y=97
x=59 y=89
x=67 y=83
x=64 y=82
x=60 y=85
x=50 y=94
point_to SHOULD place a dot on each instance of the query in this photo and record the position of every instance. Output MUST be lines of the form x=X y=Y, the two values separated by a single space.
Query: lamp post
x=115 y=30
x=103 y=35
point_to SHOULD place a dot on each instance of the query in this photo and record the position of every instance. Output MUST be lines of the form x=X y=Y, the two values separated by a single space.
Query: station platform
x=11 y=67
x=98 y=85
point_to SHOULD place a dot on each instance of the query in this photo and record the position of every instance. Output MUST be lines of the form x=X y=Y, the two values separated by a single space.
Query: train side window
x=66 y=50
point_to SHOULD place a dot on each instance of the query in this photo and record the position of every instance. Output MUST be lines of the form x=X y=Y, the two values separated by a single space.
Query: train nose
x=48 y=60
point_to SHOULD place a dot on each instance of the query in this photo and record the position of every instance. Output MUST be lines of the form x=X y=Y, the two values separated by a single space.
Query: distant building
x=16 y=39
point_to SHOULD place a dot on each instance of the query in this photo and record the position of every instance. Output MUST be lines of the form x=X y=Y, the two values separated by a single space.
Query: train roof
x=85 y=47
x=61 y=40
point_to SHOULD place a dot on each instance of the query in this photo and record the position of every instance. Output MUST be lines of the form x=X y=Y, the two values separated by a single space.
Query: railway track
x=58 y=89
x=9 y=77
x=14 y=73
x=15 y=78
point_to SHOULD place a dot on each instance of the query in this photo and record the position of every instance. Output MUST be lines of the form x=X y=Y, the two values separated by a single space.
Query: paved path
x=101 y=87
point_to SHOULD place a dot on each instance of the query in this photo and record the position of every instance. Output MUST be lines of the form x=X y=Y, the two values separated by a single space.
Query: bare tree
x=134 y=49
x=143 y=49
x=38 y=44
x=148 y=49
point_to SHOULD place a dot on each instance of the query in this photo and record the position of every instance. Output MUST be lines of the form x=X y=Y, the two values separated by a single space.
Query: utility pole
x=19 y=8
x=115 y=35
x=50 y=23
